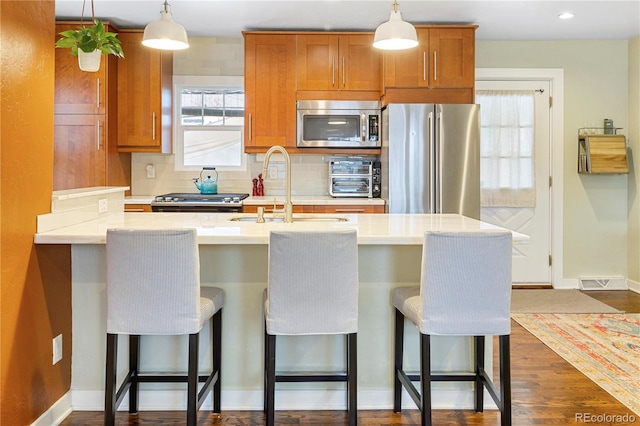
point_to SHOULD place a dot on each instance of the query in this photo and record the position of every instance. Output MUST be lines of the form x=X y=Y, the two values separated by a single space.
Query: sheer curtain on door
x=507 y=173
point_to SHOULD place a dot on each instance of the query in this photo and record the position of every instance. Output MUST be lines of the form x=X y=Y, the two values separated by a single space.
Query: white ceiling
x=497 y=20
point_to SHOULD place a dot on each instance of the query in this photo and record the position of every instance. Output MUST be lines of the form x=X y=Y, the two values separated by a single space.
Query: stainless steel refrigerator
x=431 y=158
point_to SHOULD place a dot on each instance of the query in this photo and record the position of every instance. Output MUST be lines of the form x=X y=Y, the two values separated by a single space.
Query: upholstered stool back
x=313 y=283
x=466 y=285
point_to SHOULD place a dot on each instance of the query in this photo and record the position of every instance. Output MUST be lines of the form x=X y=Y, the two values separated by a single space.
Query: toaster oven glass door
x=350 y=186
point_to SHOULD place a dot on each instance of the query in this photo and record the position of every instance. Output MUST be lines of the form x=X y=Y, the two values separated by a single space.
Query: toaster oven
x=354 y=178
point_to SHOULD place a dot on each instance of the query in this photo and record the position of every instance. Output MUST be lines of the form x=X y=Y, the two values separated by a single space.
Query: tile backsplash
x=309 y=175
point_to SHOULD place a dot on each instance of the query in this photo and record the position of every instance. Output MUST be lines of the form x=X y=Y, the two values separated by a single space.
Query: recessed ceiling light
x=565 y=15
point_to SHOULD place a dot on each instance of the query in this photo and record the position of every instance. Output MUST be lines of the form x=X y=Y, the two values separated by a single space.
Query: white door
x=531 y=262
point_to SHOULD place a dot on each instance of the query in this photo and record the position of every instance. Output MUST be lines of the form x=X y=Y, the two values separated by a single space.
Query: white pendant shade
x=165 y=34
x=395 y=34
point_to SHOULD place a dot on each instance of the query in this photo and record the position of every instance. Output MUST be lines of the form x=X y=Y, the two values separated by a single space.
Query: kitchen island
x=234 y=257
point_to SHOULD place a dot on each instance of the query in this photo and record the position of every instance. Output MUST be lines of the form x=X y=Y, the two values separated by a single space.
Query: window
x=506 y=148
x=209 y=123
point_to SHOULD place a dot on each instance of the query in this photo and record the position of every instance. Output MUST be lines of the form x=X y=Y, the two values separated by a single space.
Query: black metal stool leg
x=110 y=380
x=478 y=368
x=505 y=379
x=192 y=381
x=352 y=377
x=397 y=364
x=271 y=379
x=134 y=370
x=425 y=381
x=217 y=359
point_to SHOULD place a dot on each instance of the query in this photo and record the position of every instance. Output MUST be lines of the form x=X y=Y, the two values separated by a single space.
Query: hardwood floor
x=546 y=391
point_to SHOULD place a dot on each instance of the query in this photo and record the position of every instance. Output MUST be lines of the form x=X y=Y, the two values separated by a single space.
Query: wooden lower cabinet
x=305 y=208
x=348 y=209
x=137 y=208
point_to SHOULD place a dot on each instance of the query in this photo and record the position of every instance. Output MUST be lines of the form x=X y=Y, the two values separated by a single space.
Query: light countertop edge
x=216 y=228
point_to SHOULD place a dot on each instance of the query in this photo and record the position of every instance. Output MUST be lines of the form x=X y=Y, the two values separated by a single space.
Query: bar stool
x=465 y=290
x=153 y=288
x=312 y=290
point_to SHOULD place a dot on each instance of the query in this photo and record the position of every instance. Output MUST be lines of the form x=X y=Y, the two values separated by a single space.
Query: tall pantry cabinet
x=85 y=123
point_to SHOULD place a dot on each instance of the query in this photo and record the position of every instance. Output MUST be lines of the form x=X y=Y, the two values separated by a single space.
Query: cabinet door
x=270 y=91
x=410 y=67
x=452 y=55
x=76 y=91
x=79 y=153
x=358 y=63
x=144 y=96
x=317 y=57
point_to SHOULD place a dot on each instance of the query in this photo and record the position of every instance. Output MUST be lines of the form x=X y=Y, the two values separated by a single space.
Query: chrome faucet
x=288 y=207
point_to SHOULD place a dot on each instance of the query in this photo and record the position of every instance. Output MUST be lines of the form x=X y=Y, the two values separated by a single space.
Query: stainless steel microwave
x=338 y=124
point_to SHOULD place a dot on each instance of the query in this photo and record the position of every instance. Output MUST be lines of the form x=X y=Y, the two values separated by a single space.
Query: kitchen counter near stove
x=302 y=200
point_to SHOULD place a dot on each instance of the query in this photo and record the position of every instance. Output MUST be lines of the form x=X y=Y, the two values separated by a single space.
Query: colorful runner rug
x=604 y=347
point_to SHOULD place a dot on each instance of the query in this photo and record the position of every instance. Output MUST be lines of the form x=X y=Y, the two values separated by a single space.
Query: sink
x=319 y=218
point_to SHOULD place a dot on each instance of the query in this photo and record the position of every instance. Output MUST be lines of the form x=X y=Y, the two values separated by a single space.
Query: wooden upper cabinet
x=79 y=151
x=410 y=67
x=144 y=96
x=77 y=91
x=270 y=91
x=452 y=52
x=444 y=58
x=338 y=62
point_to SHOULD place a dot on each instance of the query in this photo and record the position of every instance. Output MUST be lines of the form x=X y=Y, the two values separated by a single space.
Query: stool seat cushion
x=211 y=300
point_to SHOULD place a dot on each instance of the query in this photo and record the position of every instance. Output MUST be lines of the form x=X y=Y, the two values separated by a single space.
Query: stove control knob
x=236 y=199
x=227 y=199
x=168 y=198
x=159 y=198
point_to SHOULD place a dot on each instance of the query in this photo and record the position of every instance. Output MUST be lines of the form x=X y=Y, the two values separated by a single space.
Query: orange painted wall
x=35 y=282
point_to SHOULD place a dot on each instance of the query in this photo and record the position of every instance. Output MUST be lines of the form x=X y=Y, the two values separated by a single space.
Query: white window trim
x=200 y=81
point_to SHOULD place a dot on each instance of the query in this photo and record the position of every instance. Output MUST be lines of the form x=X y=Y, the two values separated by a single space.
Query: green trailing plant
x=90 y=38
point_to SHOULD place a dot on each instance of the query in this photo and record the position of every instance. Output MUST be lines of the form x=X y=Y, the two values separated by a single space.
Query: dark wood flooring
x=546 y=391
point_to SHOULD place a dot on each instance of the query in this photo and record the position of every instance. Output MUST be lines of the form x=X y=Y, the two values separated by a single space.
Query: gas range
x=195 y=202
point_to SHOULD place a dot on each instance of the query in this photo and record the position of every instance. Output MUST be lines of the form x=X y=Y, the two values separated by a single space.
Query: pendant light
x=165 y=34
x=395 y=34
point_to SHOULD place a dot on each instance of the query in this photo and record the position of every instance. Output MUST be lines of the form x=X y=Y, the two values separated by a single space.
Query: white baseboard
x=56 y=413
x=567 y=284
x=633 y=285
x=174 y=400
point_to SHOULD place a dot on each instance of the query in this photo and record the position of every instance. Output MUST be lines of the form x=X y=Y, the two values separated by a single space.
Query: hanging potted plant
x=89 y=43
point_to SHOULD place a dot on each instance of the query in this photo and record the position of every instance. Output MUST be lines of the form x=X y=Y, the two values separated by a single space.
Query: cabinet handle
x=98 y=94
x=424 y=65
x=250 y=126
x=98 y=135
x=435 y=65
x=333 y=71
x=344 y=72
x=349 y=210
x=153 y=126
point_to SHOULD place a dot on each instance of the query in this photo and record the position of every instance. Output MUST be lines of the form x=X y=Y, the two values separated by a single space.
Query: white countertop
x=300 y=200
x=215 y=228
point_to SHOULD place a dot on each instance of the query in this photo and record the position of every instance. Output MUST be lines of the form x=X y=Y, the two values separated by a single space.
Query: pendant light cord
x=93 y=18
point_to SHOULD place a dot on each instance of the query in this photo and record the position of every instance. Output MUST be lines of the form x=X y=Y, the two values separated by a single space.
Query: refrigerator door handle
x=434 y=208
x=438 y=157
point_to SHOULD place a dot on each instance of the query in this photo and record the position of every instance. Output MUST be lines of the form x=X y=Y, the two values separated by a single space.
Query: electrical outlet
x=151 y=171
x=57 y=349
x=273 y=172
x=103 y=205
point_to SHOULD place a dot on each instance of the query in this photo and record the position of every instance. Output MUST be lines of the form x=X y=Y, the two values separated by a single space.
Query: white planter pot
x=89 y=61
